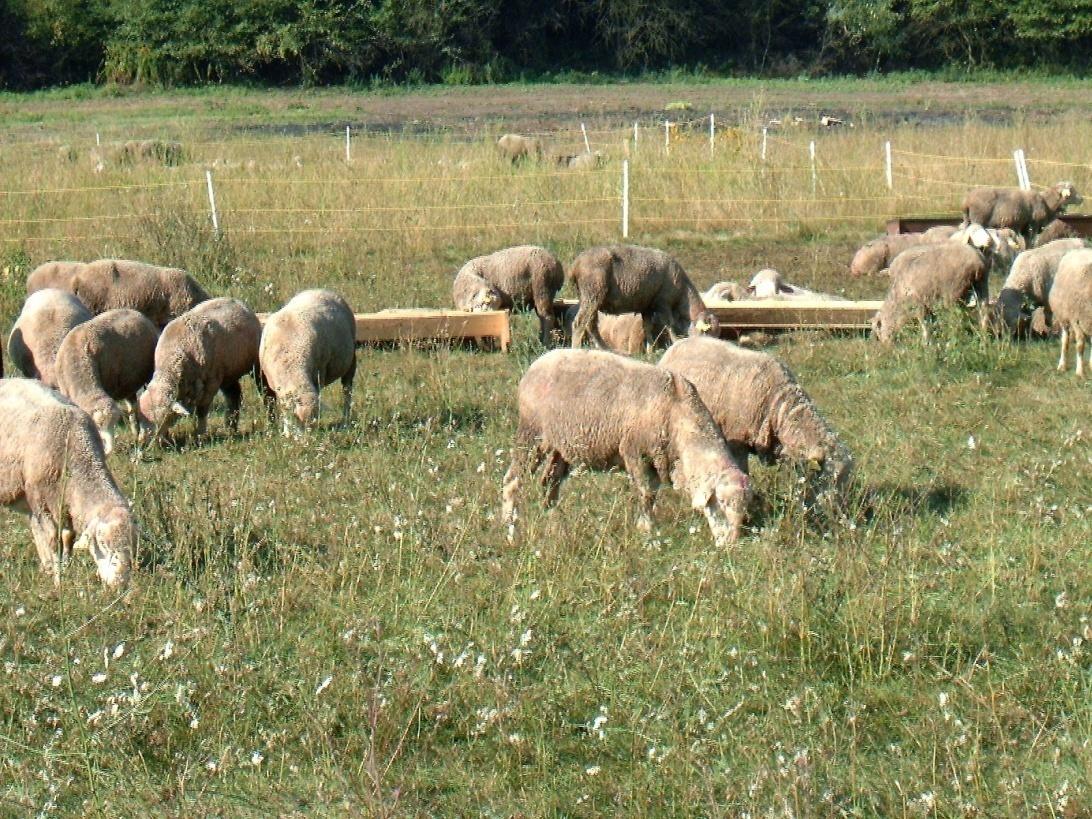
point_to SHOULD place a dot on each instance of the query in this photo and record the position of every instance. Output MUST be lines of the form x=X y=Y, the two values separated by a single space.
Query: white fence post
x=814 y=175
x=584 y=131
x=712 y=133
x=887 y=165
x=1020 y=160
x=764 y=134
x=667 y=135
x=212 y=204
x=1024 y=163
x=635 y=135
x=97 y=138
x=348 y=157
x=625 y=198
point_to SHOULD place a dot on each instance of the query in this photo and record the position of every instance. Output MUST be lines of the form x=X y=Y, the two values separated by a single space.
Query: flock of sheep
x=100 y=340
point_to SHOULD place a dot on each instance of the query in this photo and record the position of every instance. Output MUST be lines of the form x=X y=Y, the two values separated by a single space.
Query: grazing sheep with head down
x=1071 y=303
x=516 y=147
x=52 y=466
x=631 y=279
x=53 y=274
x=725 y=291
x=624 y=333
x=1028 y=284
x=105 y=360
x=761 y=409
x=604 y=410
x=1053 y=232
x=925 y=277
x=160 y=293
x=47 y=317
x=1007 y=244
x=209 y=348
x=878 y=254
x=1026 y=212
x=306 y=345
x=516 y=277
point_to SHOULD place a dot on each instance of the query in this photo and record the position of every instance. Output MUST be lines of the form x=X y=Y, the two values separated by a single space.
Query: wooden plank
x=1080 y=222
x=792 y=314
x=420 y=324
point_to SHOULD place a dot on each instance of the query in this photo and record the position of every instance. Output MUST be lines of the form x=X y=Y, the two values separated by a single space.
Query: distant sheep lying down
x=105 y=360
x=516 y=277
x=925 y=277
x=1026 y=212
x=1027 y=287
x=306 y=345
x=769 y=284
x=53 y=467
x=47 y=317
x=604 y=410
x=725 y=291
x=761 y=409
x=1071 y=303
x=208 y=349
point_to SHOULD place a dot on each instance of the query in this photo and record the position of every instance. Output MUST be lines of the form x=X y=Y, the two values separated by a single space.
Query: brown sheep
x=1053 y=231
x=306 y=345
x=105 y=360
x=209 y=348
x=1028 y=284
x=47 y=317
x=624 y=333
x=53 y=274
x=934 y=274
x=761 y=409
x=1026 y=212
x=878 y=254
x=52 y=466
x=631 y=279
x=1071 y=303
x=604 y=410
x=160 y=293
x=516 y=277
x=516 y=148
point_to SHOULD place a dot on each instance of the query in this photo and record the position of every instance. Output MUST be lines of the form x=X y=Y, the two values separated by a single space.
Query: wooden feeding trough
x=423 y=324
x=1079 y=222
x=794 y=314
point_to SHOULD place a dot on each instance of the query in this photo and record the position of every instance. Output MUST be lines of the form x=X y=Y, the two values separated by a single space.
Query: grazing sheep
x=761 y=409
x=769 y=284
x=605 y=410
x=160 y=293
x=516 y=148
x=624 y=333
x=587 y=161
x=53 y=274
x=1026 y=212
x=52 y=466
x=878 y=254
x=516 y=277
x=940 y=233
x=105 y=360
x=725 y=291
x=307 y=344
x=47 y=317
x=151 y=150
x=926 y=276
x=1028 y=284
x=1053 y=231
x=631 y=279
x=1007 y=243
x=204 y=350
x=1071 y=303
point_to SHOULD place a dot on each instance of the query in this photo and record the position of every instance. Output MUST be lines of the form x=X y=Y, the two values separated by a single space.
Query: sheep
x=516 y=148
x=940 y=273
x=604 y=410
x=878 y=254
x=52 y=466
x=624 y=333
x=151 y=150
x=1007 y=243
x=940 y=233
x=53 y=274
x=725 y=291
x=307 y=344
x=1028 y=284
x=587 y=161
x=106 y=359
x=1053 y=231
x=769 y=284
x=632 y=279
x=516 y=277
x=761 y=409
x=1070 y=303
x=206 y=349
x=160 y=293
x=1026 y=212
x=47 y=317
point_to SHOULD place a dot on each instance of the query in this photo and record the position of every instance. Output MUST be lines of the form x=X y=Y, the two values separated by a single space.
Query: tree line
x=189 y=42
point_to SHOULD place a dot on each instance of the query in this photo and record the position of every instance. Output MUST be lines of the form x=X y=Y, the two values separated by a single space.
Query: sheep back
x=53 y=275
x=46 y=318
x=112 y=354
x=160 y=293
x=1070 y=296
x=311 y=342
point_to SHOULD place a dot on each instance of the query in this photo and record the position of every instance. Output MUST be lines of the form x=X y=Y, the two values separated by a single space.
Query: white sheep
x=160 y=293
x=52 y=466
x=1028 y=284
x=1070 y=302
x=769 y=284
x=47 y=317
x=306 y=345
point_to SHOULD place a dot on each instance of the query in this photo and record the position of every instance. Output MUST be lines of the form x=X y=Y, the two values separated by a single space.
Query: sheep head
x=723 y=498
x=110 y=539
x=767 y=284
x=157 y=409
x=302 y=405
x=487 y=298
x=977 y=237
x=706 y=324
x=106 y=416
x=1068 y=194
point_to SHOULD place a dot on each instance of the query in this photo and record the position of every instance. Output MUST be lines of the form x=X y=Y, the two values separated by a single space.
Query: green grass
x=924 y=656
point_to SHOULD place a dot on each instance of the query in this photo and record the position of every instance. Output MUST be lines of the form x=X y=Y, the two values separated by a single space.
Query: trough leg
x=1065 y=349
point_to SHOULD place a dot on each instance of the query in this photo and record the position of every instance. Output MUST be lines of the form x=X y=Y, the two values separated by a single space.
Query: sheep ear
x=179 y=409
x=751 y=289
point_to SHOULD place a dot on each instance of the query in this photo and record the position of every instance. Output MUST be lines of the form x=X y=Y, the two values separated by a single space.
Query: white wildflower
x=167 y=651
x=119 y=649
x=256 y=758
x=592 y=770
x=98 y=679
x=57 y=680
x=322 y=686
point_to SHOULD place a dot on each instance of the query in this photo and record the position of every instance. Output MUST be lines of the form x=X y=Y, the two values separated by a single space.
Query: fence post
x=584 y=131
x=814 y=175
x=1024 y=164
x=212 y=204
x=887 y=165
x=625 y=198
x=97 y=138
x=763 y=155
x=712 y=132
x=667 y=136
x=348 y=157
x=635 y=136
x=1020 y=161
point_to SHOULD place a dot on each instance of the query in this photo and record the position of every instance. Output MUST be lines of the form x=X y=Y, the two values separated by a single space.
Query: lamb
x=516 y=148
x=53 y=274
x=307 y=344
x=878 y=254
x=632 y=279
x=47 y=317
x=1071 y=303
x=769 y=284
x=53 y=467
x=1027 y=286
x=104 y=360
x=624 y=333
x=516 y=277
x=1026 y=212
x=604 y=410
x=762 y=410
x=160 y=293
x=206 y=349
x=1053 y=231
x=941 y=273
x=725 y=291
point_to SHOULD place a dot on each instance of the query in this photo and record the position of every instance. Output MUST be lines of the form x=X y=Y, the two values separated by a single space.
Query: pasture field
x=340 y=627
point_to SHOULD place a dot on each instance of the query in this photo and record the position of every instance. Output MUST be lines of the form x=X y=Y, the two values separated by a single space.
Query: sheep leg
x=1065 y=349
x=201 y=422
x=525 y=459
x=347 y=394
x=233 y=395
x=645 y=481
x=557 y=469
x=1080 y=338
x=586 y=324
x=44 y=531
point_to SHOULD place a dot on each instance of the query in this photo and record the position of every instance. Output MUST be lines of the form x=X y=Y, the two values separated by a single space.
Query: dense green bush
x=321 y=41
